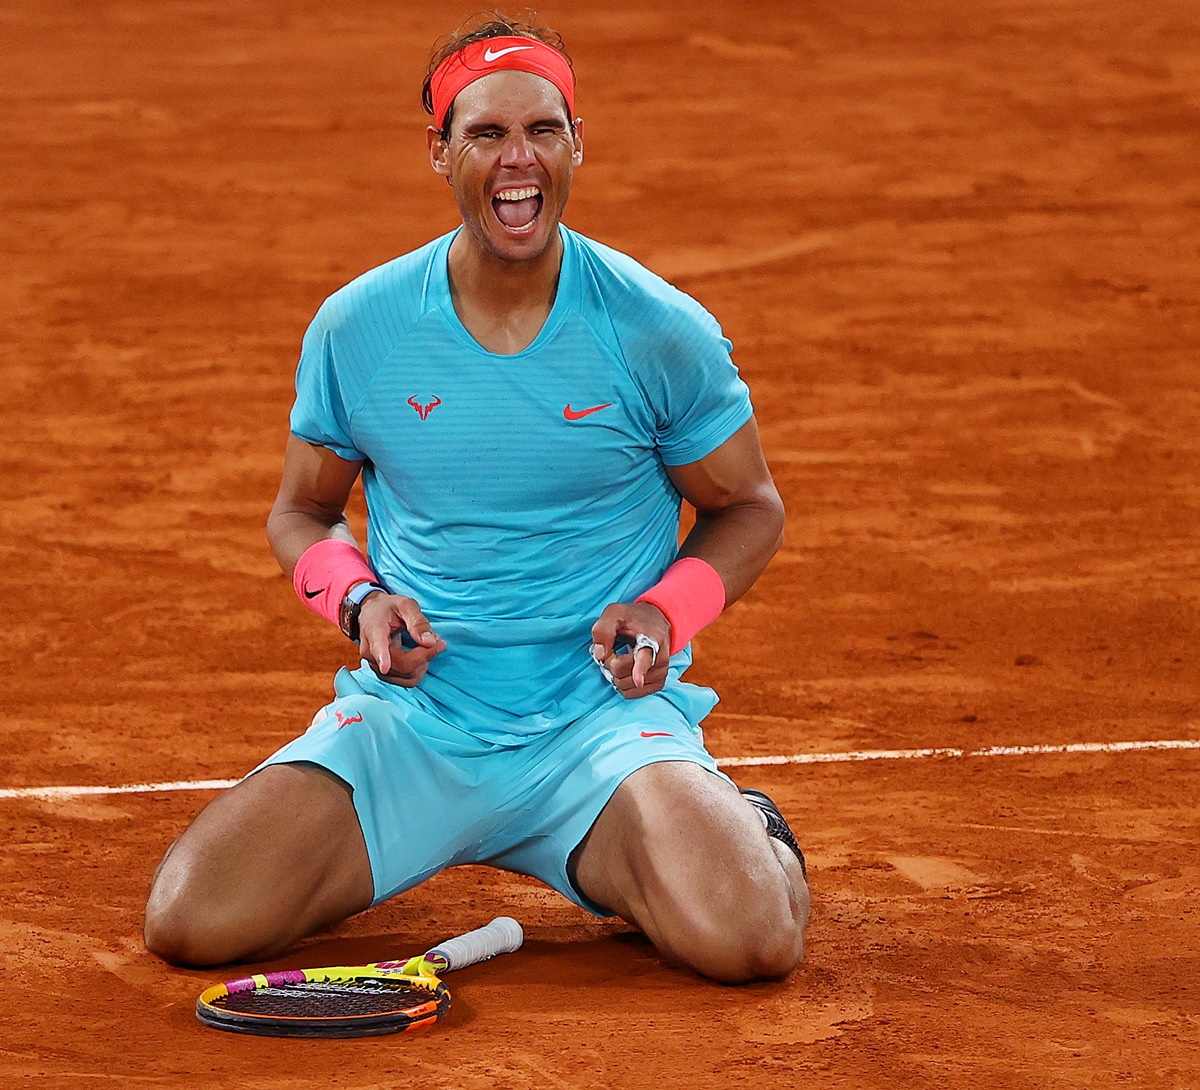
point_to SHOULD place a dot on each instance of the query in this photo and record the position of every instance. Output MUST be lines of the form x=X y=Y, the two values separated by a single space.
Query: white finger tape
x=645 y=641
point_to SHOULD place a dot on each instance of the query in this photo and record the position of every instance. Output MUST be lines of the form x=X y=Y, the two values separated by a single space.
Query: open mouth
x=517 y=208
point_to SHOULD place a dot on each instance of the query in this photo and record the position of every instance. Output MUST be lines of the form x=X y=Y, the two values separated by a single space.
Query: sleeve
x=320 y=415
x=698 y=397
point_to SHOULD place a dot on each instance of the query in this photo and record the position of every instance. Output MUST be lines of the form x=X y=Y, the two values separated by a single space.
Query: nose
x=516 y=151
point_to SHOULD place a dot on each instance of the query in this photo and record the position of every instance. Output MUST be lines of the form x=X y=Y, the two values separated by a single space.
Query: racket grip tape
x=502 y=936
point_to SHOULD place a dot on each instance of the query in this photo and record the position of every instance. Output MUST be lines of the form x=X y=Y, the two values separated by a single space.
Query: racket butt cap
x=512 y=935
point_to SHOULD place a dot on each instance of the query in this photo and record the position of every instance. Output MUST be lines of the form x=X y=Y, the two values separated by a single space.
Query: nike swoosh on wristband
x=489 y=56
x=312 y=593
x=579 y=414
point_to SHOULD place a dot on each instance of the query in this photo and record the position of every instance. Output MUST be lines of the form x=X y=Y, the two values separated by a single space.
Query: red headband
x=490 y=55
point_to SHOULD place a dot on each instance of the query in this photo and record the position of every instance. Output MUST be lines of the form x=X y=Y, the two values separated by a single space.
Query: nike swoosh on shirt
x=579 y=414
x=657 y=734
x=489 y=56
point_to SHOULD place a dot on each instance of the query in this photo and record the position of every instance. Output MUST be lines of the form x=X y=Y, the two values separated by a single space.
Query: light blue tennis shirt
x=515 y=496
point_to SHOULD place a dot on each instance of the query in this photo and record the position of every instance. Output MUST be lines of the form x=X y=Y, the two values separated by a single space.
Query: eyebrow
x=484 y=125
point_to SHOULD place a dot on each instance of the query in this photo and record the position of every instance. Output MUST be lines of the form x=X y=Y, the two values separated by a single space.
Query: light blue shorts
x=429 y=795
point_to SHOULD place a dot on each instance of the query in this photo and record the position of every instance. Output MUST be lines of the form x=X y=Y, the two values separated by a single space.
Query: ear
x=577 y=155
x=439 y=152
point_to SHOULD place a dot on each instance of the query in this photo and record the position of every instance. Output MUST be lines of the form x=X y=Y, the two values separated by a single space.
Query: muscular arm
x=739 y=527
x=739 y=514
x=311 y=506
x=311 y=503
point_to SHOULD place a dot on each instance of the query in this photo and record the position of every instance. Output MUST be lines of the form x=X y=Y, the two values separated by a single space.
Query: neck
x=482 y=281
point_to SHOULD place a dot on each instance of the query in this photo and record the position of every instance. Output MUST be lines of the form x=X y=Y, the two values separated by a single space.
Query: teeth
x=518 y=194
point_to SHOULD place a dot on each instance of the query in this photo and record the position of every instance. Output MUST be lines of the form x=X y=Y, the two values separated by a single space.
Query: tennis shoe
x=775 y=823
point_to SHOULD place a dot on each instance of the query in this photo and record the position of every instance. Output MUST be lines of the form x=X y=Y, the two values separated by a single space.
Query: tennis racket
x=353 y=1000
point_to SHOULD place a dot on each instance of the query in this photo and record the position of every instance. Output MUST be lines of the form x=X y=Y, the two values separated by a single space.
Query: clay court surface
x=956 y=249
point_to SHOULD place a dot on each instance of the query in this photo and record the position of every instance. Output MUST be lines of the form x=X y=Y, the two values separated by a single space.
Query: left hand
x=382 y=621
x=641 y=672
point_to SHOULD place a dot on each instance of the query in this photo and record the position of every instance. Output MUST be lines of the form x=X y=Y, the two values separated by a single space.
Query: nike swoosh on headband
x=489 y=56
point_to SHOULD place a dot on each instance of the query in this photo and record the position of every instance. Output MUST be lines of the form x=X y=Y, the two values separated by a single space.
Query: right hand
x=382 y=619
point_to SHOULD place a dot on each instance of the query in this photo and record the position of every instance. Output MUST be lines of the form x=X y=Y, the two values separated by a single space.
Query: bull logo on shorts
x=345 y=721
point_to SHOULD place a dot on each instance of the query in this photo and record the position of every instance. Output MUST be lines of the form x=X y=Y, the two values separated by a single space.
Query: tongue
x=517 y=213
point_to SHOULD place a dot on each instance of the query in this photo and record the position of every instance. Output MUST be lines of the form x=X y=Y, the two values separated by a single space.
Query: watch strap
x=352 y=606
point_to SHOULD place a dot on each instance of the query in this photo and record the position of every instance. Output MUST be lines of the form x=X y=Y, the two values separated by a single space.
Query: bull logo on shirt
x=423 y=411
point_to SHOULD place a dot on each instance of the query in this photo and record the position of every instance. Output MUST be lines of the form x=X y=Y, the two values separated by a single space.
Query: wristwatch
x=351 y=607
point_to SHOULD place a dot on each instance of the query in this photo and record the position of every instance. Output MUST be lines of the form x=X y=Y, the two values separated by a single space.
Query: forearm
x=291 y=531
x=734 y=544
x=739 y=515
x=311 y=503
x=738 y=541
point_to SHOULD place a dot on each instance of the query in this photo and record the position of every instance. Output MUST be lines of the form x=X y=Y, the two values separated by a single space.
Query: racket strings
x=322 y=1000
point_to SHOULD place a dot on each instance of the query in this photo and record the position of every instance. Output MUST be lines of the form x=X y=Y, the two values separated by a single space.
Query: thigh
x=678 y=852
x=555 y=789
x=267 y=862
x=673 y=830
x=360 y=807
x=420 y=788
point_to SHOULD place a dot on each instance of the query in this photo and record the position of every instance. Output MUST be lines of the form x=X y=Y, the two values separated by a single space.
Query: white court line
x=121 y=789
x=987 y=751
x=840 y=758
x=723 y=762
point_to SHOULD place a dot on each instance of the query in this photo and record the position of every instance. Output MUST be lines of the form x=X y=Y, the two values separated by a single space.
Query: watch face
x=348 y=619
x=352 y=605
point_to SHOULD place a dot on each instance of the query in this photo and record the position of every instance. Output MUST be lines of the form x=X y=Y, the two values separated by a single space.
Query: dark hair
x=478 y=28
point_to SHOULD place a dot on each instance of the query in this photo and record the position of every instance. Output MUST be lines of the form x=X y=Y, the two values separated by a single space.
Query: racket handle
x=502 y=936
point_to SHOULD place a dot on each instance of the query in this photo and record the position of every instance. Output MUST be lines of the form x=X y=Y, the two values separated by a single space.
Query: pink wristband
x=325 y=571
x=691 y=595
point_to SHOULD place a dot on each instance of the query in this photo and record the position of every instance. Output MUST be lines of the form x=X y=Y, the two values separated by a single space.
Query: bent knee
x=173 y=938
x=772 y=956
x=191 y=935
x=190 y=925
x=762 y=942
x=752 y=952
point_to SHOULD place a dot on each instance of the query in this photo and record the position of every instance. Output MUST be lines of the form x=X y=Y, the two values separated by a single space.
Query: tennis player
x=526 y=408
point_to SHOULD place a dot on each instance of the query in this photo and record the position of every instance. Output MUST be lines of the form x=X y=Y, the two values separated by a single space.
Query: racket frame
x=416 y=973
x=503 y=935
